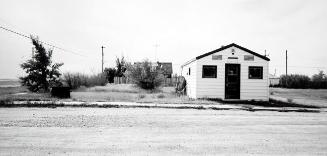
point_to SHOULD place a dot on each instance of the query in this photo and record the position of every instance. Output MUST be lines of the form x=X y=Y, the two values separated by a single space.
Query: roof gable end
x=226 y=47
x=233 y=45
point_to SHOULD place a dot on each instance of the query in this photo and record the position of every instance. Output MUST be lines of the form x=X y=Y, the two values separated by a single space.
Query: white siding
x=210 y=87
x=256 y=89
x=190 y=79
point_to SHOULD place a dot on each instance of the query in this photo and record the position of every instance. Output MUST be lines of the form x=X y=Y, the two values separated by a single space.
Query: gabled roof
x=225 y=47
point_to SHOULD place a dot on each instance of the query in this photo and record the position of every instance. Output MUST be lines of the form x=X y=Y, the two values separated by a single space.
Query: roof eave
x=188 y=62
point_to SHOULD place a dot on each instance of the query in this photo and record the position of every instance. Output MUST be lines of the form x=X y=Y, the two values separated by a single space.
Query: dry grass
x=110 y=92
x=304 y=93
x=314 y=97
x=131 y=93
x=22 y=94
x=9 y=83
x=12 y=90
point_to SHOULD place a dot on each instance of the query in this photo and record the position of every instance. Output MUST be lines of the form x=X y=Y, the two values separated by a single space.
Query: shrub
x=110 y=74
x=141 y=96
x=294 y=81
x=319 y=80
x=145 y=75
x=76 y=80
x=160 y=96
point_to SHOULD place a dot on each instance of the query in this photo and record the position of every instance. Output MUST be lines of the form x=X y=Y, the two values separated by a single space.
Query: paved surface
x=143 y=131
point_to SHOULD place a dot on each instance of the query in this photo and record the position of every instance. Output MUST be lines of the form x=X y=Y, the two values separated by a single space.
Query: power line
x=51 y=45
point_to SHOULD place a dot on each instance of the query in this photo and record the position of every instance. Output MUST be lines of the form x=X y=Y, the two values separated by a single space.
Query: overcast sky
x=183 y=29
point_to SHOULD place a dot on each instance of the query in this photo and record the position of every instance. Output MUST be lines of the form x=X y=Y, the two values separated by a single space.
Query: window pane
x=209 y=72
x=217 y=57
x=248 y=57
x=255 y=72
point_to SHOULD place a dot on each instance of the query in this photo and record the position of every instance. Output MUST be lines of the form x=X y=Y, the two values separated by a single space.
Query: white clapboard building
x=231 y=72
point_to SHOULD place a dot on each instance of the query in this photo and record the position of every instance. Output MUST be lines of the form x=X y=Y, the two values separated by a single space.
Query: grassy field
x=314 y=97
x=110 y=92
x=131 y=93
x=9 y=83
x=11 y=90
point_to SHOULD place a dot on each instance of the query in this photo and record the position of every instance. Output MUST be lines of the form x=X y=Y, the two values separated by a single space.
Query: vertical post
x=286 y=70
x=102 y=59
x=286 y=62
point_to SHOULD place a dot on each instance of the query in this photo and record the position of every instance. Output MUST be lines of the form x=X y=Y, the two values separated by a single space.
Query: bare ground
x=121 y=131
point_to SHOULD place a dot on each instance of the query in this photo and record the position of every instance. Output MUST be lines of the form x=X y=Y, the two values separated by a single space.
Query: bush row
x=76 y=80
x=297 y=81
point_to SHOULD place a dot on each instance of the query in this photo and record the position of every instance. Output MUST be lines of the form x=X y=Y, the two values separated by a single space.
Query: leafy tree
x=120 y=66
x=41 y=73
x=145 y=75
x=110 y=74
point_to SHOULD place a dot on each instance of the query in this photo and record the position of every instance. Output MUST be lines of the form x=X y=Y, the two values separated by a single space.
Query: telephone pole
x=286 y=62
x=102 y=58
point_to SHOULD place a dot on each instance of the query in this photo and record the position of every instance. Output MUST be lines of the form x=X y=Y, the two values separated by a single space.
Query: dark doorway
x=232 y=81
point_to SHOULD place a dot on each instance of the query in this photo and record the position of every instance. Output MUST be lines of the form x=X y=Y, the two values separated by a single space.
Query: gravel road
x=141 y=131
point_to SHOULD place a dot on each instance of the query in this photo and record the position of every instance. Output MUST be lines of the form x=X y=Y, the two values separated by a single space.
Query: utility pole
x=286 y=62
x=102 y=58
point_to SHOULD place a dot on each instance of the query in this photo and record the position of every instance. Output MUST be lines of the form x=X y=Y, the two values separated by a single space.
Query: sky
x=182 y=29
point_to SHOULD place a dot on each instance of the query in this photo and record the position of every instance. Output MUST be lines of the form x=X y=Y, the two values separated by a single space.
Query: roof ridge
x=225 y=47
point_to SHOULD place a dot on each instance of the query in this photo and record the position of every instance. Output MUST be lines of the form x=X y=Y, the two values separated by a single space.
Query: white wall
x=190 y=79
x=257 y=89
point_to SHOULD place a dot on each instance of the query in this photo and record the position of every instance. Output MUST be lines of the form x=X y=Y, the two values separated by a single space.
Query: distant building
x=273 y=80
x=231 y=72
x=166 y=67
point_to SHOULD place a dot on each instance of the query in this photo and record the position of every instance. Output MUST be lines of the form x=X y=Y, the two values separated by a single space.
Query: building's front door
x=232 y=81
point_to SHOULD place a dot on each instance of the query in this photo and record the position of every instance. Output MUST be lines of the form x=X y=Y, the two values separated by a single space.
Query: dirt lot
x=121 y=131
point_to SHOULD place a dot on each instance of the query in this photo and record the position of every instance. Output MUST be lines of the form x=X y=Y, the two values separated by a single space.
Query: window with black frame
x=209 y=71
x=255 y=72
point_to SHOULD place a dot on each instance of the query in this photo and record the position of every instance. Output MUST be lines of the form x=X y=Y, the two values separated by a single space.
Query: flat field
x=131 y=93
x=121 y=131
x=10 y=90
x=314 y=97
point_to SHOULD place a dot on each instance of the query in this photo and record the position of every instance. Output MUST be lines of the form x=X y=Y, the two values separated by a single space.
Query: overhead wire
x=43 y=42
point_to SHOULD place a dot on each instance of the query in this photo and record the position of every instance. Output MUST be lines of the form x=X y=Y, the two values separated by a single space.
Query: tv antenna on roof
x=266 y=55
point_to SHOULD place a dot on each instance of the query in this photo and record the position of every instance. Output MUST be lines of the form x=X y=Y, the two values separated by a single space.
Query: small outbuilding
x=231 y=72
x=273 y=80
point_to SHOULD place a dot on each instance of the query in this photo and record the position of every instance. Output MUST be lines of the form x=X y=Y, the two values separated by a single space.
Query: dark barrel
x=60 y=92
